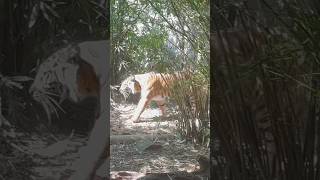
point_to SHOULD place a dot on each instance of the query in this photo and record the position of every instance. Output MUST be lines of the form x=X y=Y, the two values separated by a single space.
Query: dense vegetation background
x=265 y=101
x=158 y=35
x=30 y=30
x=279 y=87
x=166 y=36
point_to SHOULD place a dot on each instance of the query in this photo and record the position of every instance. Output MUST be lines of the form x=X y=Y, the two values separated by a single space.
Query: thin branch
x=173 y=28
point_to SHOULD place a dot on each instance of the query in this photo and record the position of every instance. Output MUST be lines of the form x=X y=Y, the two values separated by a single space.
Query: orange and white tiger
x=153 y=87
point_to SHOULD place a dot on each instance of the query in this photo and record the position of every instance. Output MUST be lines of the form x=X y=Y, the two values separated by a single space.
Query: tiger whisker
x=50 y=93
x=55 y=103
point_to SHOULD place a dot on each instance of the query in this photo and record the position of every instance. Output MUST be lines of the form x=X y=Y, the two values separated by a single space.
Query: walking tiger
x=153 y=87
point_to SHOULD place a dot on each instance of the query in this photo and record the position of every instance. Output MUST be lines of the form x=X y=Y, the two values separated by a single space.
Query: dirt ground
x=54 y=154
x=171 y=153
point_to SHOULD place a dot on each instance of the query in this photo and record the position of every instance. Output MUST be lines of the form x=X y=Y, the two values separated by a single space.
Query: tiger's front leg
x=140 y=108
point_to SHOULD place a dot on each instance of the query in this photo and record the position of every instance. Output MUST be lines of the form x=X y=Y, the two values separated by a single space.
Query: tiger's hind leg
x=140 y=108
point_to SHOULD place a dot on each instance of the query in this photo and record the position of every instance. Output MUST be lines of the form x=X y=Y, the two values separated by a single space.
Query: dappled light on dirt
x=151 y=121
x=158 y=150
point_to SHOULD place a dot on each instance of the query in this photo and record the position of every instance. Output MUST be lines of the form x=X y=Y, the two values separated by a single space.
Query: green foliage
x=264 y=108
x=142 y=31
x=192 y=98
x=165 y=36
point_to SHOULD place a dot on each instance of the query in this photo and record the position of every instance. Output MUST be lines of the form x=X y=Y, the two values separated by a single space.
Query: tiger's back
x=161 y=84
x=155 y=84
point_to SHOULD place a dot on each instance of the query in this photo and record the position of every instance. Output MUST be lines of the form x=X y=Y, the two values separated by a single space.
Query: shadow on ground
x=172 y=153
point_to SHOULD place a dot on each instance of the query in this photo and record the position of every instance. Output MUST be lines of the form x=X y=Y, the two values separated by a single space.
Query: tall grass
x=265 y=103
x=192 y=98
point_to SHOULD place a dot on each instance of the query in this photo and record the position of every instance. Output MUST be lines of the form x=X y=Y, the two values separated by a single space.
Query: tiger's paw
x=134 y=119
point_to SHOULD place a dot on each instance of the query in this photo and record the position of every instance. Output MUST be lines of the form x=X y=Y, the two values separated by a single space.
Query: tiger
x=153 y=87
x=74 y=72
x=77 y=72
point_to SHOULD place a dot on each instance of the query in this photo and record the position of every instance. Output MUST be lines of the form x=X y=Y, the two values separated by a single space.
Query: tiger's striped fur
x=73 y=72
x=80 y=70
x=153 y=87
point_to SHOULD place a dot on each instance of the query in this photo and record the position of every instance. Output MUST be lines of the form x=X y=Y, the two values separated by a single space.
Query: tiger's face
x=53 y=78
x=45 y=78
x=128 y=86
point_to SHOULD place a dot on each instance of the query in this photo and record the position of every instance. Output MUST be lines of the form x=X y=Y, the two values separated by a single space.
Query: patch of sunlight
x=194 y=150
x=132 y=1
x=165 y=164
x=146 y=169
x=139 y=28
x=125 y=107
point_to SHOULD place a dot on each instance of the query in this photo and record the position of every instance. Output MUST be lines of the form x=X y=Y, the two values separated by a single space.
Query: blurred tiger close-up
x=77 y=72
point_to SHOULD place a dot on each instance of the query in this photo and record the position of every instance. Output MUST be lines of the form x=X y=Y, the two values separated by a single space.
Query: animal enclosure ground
x=158 y=150
x=54 y=155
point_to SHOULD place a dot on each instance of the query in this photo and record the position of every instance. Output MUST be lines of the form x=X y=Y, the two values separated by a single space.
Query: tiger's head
x=55 y=78
x=129 y=85
x=57 y=75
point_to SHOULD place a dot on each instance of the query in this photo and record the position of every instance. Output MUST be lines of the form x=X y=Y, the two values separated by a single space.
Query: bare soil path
x=159 y=150
x=155 y=154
